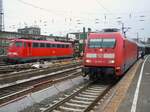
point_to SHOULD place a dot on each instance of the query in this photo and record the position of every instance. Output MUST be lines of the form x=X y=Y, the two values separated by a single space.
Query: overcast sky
x=61 y=16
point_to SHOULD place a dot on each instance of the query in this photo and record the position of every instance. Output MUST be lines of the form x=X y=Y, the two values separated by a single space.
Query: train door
x=29 y=53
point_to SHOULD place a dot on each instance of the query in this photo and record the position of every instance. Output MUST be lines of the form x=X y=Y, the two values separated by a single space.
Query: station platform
x=132 y=93
x=137 y=98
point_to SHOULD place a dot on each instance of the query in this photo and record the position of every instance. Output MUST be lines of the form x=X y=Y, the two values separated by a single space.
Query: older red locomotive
x=108 y=53
x=22 y=50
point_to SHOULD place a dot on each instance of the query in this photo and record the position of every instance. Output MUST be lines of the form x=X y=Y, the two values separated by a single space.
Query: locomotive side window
x=42 y=44
x=58 y=46
x=63 y=46
x=48 y=45
x=35 y=44
x=53 y=46
x=18 y=44
x=67 y=46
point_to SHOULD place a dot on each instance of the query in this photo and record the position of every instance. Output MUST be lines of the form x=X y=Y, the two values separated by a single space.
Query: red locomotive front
x=106 y=54
x=15 y=50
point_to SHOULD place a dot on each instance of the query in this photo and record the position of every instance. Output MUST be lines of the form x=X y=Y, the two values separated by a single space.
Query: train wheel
x=92 y=77
x=116 y=78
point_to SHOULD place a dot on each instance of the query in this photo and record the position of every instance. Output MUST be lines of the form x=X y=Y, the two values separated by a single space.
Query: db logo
x=100 y=50
x=100 y=55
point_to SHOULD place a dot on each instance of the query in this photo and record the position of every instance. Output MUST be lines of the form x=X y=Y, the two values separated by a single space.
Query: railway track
x=23 y=87
x=12 y=77
x=7 y=68
x=81 y=100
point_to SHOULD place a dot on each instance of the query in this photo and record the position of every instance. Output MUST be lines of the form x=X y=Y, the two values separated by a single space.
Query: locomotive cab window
x=95 y=43
x=18 y=44
x=58 y=45
x=108 y=43
x=102 y=43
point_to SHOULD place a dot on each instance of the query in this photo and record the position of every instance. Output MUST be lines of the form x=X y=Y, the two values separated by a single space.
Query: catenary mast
x=1 y=16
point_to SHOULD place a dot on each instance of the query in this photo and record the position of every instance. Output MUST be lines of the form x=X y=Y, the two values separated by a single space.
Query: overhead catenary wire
x=101 y=5
x=108 y=17
x=105 y=15
x=63 y=12
x=43 y=9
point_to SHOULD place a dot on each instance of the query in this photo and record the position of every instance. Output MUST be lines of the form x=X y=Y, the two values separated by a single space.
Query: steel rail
x=7 y=78
x=77 y=107
x=36 y=87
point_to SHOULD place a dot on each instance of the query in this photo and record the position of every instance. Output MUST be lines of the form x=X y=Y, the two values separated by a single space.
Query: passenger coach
x=108 y=53
x=22 y=50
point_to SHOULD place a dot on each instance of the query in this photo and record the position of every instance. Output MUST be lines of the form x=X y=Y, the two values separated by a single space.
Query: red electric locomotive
x=108 y=53
x=22 y=50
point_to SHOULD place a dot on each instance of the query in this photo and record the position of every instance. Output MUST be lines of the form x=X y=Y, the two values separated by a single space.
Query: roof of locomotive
x=110 y=35
x=41 y=41
x=105 y=34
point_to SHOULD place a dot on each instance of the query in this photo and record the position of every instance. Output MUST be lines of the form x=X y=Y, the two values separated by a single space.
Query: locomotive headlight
x=111 y=61
x=15 y=53
x=88 y=61
x=9 y=53
x=91 y=55
x=12 y=53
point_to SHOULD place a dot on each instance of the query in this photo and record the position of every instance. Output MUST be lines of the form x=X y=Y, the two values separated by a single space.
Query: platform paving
x=137 y=98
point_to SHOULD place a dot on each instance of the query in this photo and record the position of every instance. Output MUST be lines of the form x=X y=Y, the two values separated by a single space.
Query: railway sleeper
x=87 y=96
x=56 y=111
x=88 y=93
x=96 y=89
x=74 y=105
x=67 y=109
x=80 y=101
x=83 y=98
x=93 y=91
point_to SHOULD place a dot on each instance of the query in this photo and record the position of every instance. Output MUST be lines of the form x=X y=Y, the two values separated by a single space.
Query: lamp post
x=138 y=35
x=84 y=38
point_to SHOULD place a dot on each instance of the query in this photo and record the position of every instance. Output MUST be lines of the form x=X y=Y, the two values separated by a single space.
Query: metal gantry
x=1 y=16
